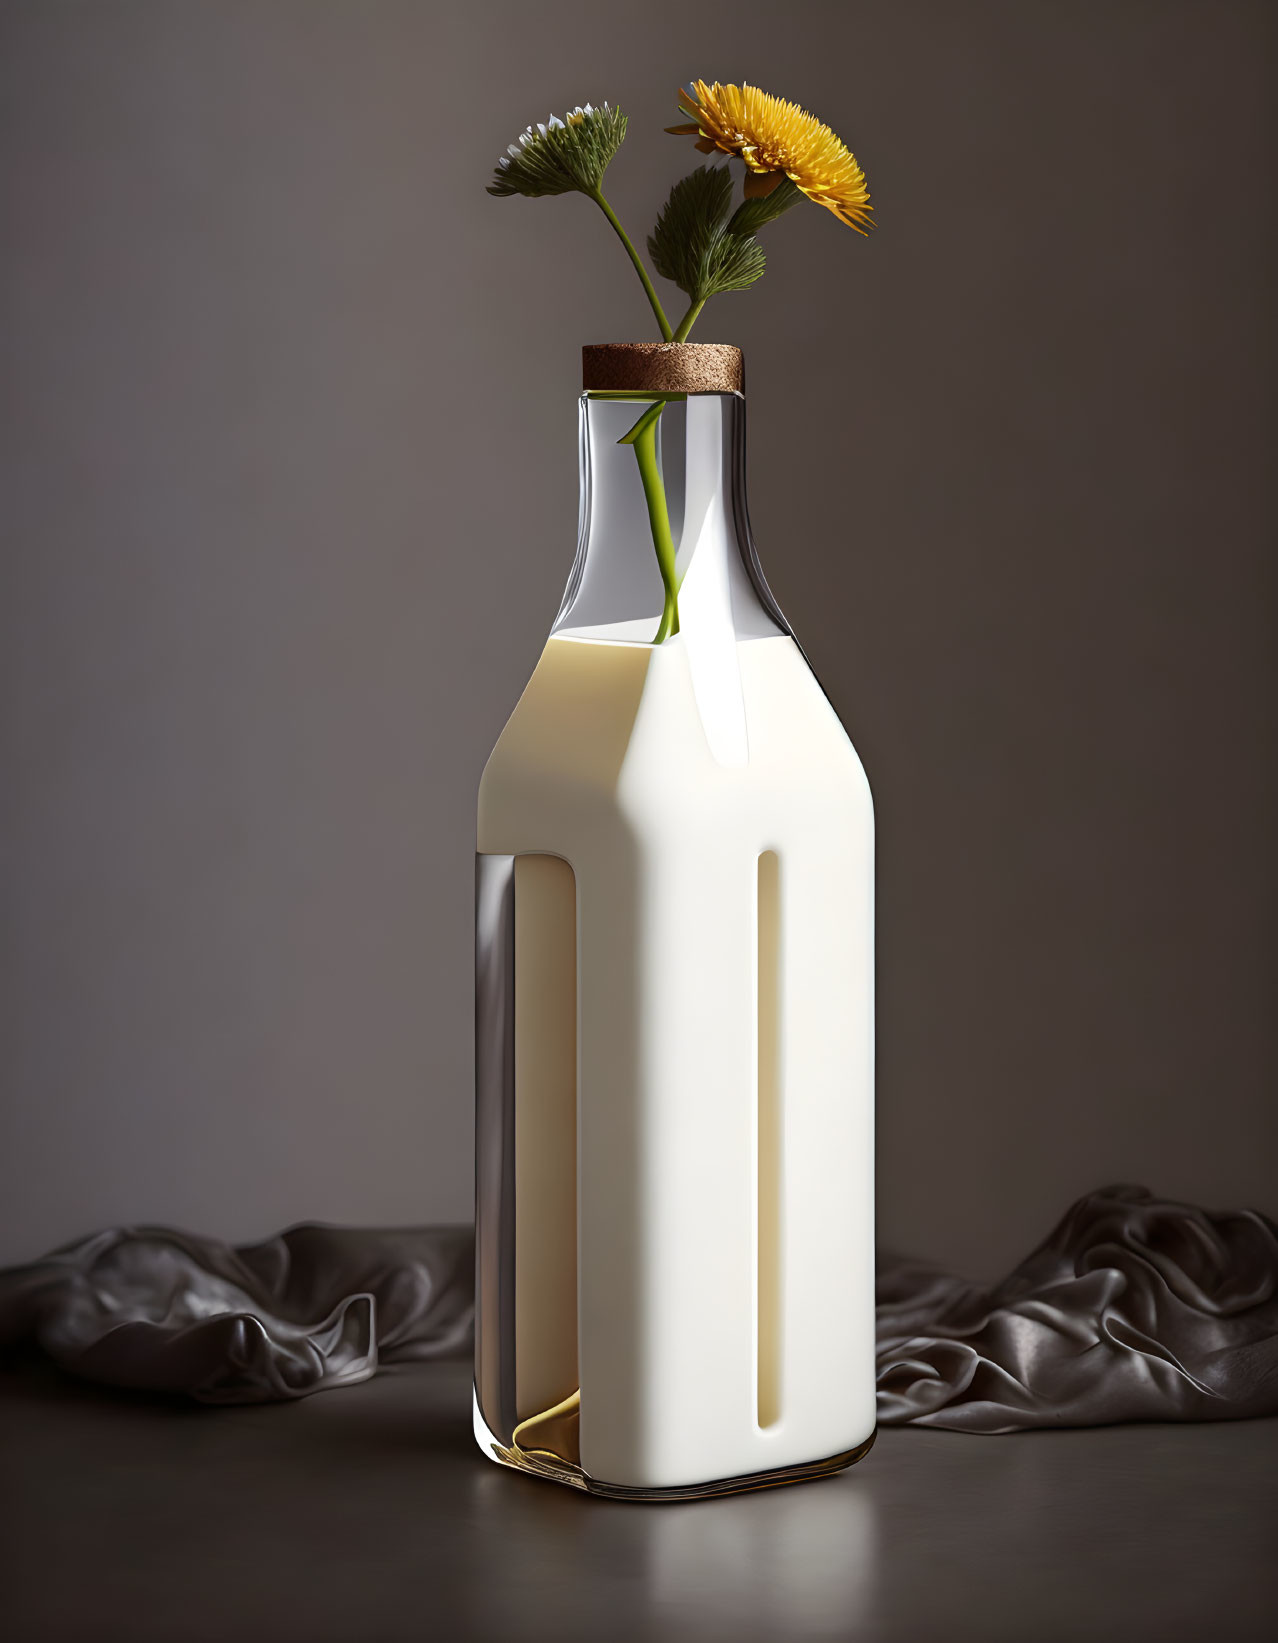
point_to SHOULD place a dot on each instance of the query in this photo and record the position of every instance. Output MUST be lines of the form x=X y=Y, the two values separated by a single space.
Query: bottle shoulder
x=634 y=726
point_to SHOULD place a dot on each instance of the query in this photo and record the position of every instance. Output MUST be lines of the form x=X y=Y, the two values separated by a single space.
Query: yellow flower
x=777 y=139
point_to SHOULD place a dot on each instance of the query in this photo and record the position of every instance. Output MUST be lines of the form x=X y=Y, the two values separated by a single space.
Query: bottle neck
x=664 y=526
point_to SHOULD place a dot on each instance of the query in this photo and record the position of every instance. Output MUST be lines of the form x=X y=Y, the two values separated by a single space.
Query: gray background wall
x=289 y=499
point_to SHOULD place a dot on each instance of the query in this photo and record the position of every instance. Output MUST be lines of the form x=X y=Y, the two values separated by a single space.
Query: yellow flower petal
x=775 y=137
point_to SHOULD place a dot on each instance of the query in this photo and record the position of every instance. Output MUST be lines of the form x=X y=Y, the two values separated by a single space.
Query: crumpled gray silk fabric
x=317 y=1307
x=1134 y=1309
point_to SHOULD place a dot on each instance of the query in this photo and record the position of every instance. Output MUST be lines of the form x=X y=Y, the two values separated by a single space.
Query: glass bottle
x=674 y=1022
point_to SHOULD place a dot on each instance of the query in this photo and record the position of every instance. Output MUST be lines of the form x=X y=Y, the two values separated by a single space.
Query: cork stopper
x=663 y=368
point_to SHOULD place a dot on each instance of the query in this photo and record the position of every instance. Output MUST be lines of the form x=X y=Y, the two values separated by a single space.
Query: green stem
x=643 y=436
x=635 y=258
x=689 y=320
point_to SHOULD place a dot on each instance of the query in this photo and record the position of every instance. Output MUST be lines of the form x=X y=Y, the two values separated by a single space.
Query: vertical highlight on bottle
x=545 y=1133
x=769 y=1143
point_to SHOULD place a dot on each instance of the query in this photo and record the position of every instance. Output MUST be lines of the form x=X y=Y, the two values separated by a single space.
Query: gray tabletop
x=368 y=1516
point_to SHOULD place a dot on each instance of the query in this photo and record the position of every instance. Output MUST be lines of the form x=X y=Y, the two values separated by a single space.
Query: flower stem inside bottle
x=643 y=436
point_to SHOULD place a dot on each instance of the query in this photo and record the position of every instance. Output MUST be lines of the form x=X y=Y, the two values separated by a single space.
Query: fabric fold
x=1134 y=1309
x=164 y=1311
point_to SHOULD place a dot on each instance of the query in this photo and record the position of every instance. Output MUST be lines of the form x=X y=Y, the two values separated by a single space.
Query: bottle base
x=541 y=1463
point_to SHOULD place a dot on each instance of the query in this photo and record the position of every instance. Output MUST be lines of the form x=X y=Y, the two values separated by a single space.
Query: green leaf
x=693 y=244
x=753 y=214
x=562 y=157
x=738 y=261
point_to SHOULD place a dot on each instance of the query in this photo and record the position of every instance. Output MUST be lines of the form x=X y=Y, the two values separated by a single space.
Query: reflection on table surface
x=368 y=1516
